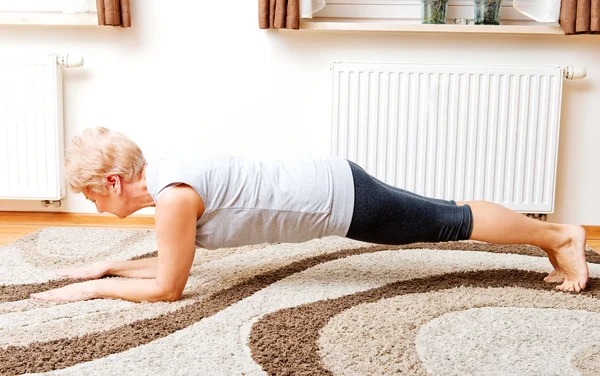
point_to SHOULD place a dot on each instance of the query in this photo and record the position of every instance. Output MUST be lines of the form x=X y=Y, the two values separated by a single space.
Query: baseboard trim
x=74 y=219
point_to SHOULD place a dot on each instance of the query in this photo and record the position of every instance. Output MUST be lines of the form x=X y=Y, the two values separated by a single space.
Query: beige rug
x=326 y=307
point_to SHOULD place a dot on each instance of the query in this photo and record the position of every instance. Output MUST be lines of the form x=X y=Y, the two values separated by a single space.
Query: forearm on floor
x=133 y=290
x=142 y=268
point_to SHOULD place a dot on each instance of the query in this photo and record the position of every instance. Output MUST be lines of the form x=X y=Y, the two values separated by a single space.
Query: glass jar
x=434 y=11
x=487 y=12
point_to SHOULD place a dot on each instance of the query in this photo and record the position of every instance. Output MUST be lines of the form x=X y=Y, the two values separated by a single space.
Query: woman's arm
x=142 y=268
x=175 y=218
x=135 y=290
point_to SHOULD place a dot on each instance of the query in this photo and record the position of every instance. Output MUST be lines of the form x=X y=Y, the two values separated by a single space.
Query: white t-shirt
x=250 y=201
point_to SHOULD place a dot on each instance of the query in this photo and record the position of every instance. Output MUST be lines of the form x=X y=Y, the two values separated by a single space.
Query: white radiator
x=31 y=127
x=453 y=132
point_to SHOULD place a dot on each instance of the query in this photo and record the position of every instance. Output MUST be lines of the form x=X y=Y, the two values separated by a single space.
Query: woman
x=225 y=201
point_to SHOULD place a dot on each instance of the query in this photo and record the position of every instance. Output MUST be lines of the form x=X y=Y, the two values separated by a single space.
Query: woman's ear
x=114 y=183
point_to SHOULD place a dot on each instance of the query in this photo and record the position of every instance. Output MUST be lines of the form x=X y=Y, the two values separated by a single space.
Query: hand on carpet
x=70 y=293
x=94 y=271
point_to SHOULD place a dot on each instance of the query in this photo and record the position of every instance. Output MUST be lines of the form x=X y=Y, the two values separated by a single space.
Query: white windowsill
x=416 y=26
x=48 y=18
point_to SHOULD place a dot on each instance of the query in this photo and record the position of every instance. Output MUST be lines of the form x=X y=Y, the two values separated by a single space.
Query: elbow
x=169 y=294
x=173 y=296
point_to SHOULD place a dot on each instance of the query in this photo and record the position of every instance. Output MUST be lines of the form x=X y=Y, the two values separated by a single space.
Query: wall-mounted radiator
x=453 y=132
x=31 y=127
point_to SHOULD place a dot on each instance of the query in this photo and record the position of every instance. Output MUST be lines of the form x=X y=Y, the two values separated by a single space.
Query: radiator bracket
x=51 y=203
x=538 y=216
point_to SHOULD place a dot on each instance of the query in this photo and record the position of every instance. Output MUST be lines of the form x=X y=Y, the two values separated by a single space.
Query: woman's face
x=108 y=203
x=112 y=202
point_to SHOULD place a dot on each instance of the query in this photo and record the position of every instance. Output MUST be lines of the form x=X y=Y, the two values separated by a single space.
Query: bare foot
x=570 y=258
x=557 y=275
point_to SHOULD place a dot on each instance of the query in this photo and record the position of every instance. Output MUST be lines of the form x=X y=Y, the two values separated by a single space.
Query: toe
x=567 y=286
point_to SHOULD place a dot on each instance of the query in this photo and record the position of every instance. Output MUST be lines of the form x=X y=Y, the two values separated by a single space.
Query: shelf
x=391 y=26
x=51 y=19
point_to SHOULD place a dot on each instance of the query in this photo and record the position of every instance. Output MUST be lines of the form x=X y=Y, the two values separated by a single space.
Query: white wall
x=202 y=75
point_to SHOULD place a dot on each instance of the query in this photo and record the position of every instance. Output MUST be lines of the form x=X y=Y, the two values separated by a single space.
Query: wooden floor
x=15 y=225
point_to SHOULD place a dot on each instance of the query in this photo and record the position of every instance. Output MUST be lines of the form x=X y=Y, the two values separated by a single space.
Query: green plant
x=434 y=11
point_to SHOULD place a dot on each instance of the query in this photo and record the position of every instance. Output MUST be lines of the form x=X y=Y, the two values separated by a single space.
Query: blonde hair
x=99 y=152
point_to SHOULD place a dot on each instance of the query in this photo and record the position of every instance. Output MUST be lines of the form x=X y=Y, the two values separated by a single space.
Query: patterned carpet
x=330 y=306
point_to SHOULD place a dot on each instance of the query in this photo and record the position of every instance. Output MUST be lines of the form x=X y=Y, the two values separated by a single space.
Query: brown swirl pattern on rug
x=273 y=350
x=62 y=353
x=220 y=280
x=67 y=352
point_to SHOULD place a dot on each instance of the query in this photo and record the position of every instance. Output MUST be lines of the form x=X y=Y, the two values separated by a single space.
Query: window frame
x=48 y=12
x=35 y=6
x=408 y=11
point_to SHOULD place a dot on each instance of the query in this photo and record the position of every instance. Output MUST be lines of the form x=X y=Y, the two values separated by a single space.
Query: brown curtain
x=580 y=16
x=279 y=14
x=113 y=13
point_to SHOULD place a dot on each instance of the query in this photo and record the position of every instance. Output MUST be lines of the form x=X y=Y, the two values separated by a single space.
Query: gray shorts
x=385 y=214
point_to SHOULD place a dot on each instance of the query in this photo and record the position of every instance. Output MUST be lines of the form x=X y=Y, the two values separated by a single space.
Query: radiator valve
x=70 y=61
x=574 y=73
